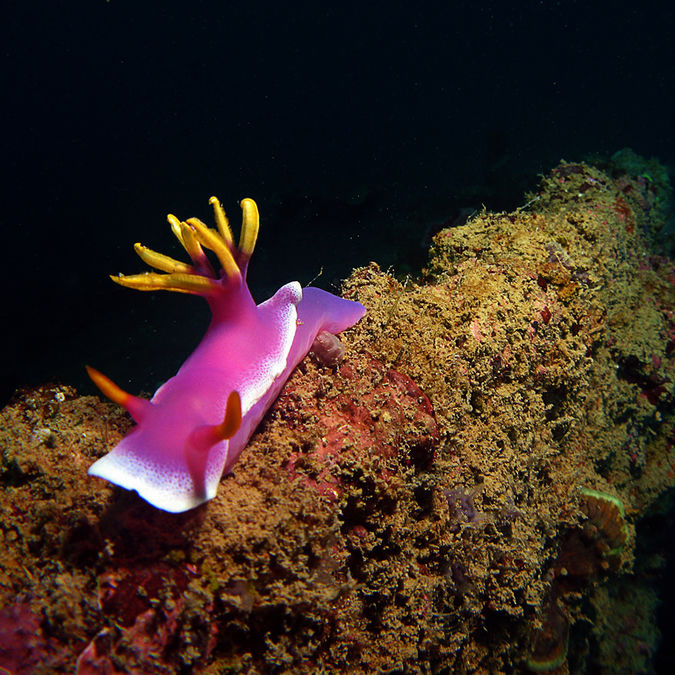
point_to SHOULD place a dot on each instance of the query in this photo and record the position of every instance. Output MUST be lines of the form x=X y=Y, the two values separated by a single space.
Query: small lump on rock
x=46 y=436
x=327 y=349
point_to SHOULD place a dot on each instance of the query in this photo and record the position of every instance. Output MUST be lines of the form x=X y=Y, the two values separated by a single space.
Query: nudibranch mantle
x=198 y=422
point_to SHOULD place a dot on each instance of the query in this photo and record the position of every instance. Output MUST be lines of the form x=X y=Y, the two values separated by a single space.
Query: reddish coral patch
x=382 y=413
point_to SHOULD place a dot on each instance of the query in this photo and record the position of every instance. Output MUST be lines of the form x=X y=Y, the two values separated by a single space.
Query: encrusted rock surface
x=445 y=498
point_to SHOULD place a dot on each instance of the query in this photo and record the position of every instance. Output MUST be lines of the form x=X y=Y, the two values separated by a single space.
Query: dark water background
x=357 y=127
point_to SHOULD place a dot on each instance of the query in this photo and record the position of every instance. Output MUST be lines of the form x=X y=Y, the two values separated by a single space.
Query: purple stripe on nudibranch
x=197 y=424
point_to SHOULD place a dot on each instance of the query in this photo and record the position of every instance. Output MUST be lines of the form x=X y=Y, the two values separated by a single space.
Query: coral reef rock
x=458 y=492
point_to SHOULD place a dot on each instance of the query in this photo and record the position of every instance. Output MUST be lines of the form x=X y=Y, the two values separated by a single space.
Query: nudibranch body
x=197 y=424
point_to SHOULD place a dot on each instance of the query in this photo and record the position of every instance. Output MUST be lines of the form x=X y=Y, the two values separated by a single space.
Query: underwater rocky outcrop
x=458 y=493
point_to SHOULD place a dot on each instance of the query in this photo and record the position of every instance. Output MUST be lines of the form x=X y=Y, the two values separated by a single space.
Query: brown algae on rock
x=440 y=499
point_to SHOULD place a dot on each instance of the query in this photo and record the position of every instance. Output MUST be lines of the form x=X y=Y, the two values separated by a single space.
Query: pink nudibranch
x=197 y=424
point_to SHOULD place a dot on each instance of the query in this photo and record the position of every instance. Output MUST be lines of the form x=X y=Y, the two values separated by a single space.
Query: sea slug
x=197 y=424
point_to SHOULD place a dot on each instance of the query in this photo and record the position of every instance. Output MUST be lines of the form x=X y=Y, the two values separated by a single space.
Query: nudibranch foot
x=198 y=422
